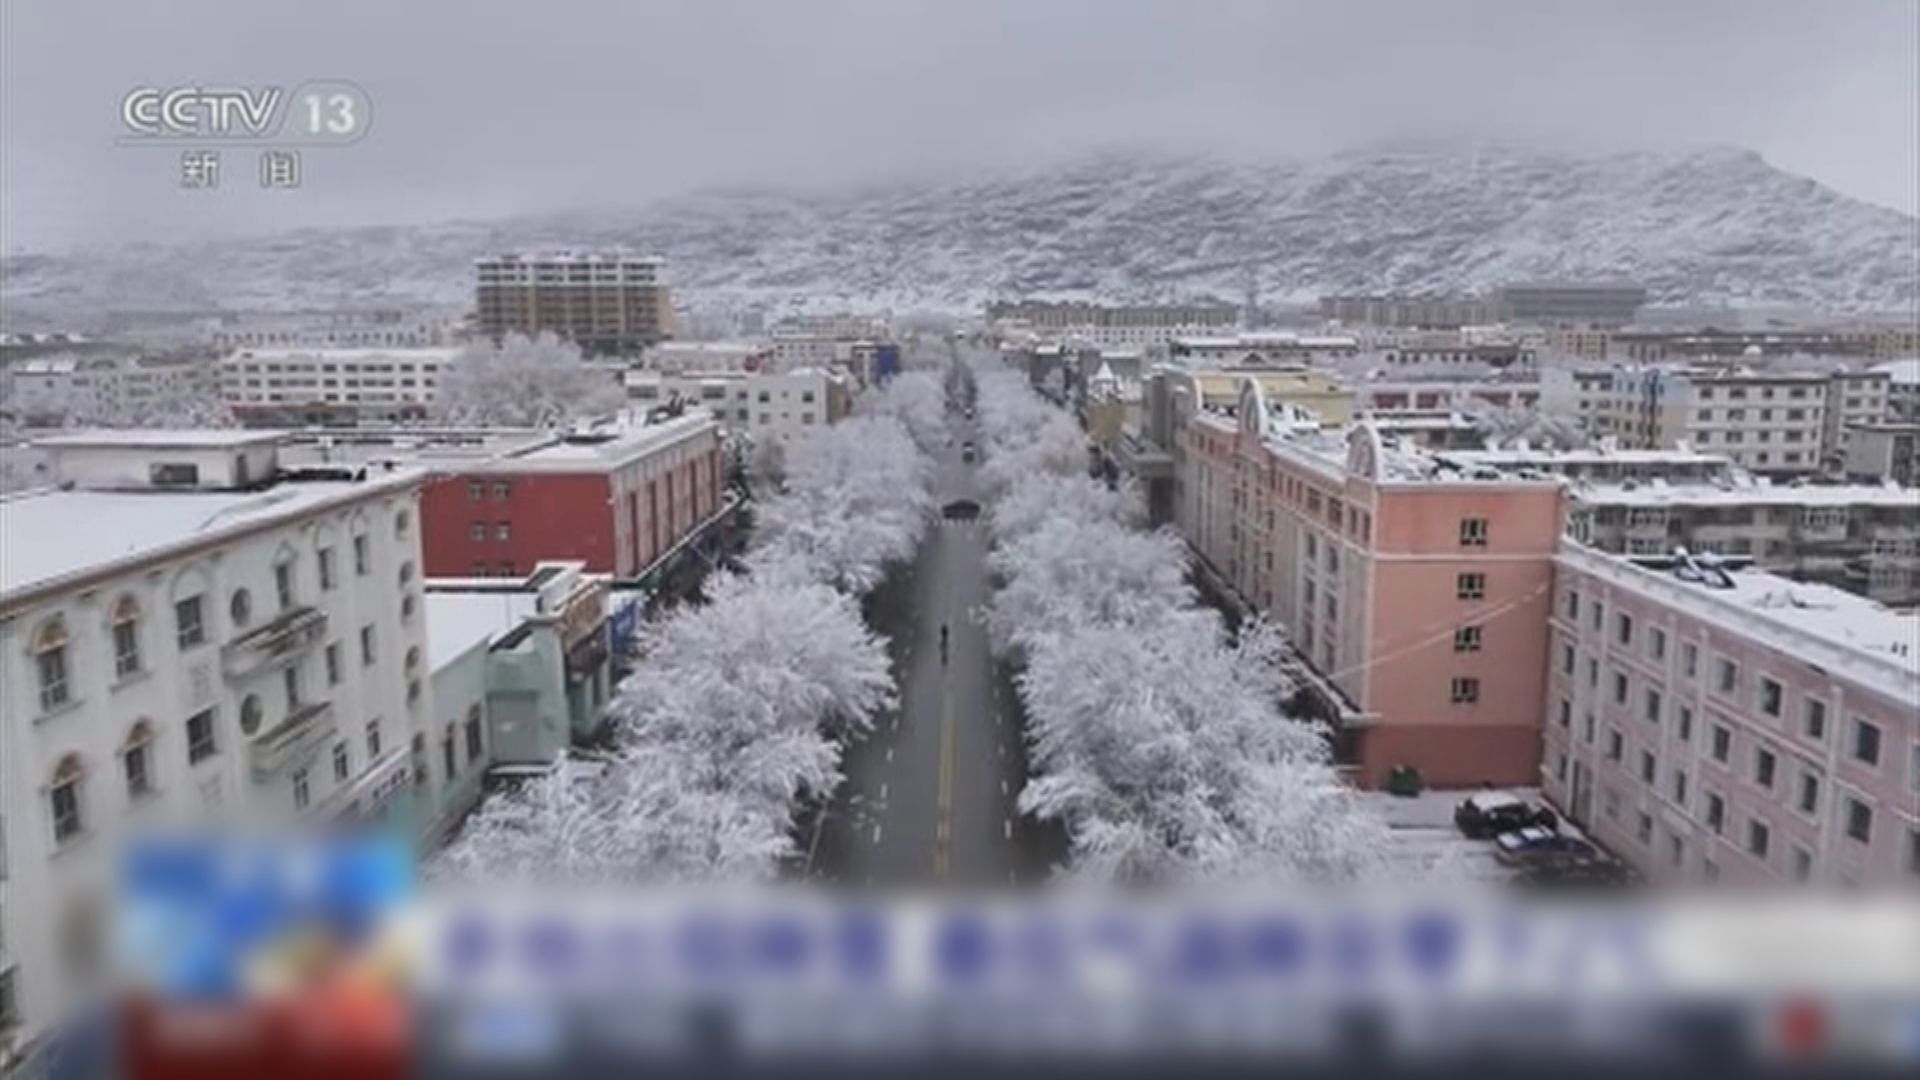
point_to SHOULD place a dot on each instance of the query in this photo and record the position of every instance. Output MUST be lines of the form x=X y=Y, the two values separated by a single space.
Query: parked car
x=1535 y=843
x=966 y=451
x=1573 y=872
x=1490 y=813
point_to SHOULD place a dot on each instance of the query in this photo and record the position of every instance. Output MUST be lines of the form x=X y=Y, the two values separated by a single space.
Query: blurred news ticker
x=284 y=958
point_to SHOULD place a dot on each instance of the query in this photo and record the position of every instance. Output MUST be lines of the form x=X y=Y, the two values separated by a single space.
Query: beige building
x=608 y=303
x=783 y=404
x=1853 y=398
x=1770 y=422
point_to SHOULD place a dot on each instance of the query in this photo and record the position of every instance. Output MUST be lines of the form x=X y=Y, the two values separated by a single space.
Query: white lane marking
x=889 y=753
x=876 y=832
x=1007 y=827
x=1013 y=877
x=1003 y=787
x=1002 y=749
x=883 y=791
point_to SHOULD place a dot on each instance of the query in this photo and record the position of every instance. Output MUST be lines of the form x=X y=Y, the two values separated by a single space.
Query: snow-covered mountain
x=1717 y=226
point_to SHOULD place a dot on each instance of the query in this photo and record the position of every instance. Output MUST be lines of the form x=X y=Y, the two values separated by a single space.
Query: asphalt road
x=930 y=796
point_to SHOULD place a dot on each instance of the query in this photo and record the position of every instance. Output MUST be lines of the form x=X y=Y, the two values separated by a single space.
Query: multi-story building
x=1260 y=349
x=1727 y=725
x=1569 y=303
x=607 y=302
x=674 y=357
x=1605 y=463
x=1853 y=398
x=188 y=633
x=1585 y=393
x=117 y=389
x=379 y=328
x=1427 y=395
x=1429 y=312
x=1116 y=325
x=302 y=385
x=1771 y=422
x=1903 y=388
x=1882 y=452
x=1442 y=351
x=1864 y=538
x=1581 y=343
x=1413 y=593
x=781 y=405
x=1648 y=346
x=617 y=500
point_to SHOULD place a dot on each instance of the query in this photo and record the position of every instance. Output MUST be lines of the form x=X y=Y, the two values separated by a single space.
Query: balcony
x=292 y=741
x=288 y=635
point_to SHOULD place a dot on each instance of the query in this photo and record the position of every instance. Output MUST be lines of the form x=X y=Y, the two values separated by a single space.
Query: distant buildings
x=1903 y=388
x=1115 y=325
x=98 y=388
x=781 y=405
x=1259 y=349
x=675 y=357
x=1430 y=312
x=191 y=632
x=378 y=328
x=1714 y=725
x=1569 y=303
x=299 y=385
x=608 y=303
x=1882 y=452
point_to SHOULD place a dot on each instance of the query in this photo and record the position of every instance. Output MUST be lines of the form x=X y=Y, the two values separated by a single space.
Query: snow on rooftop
x=348 y=352
x=458 y=621
x=169 y=438
x=47 y=536
x=1905 y=372
x=1750 y=491
x=1514 y=455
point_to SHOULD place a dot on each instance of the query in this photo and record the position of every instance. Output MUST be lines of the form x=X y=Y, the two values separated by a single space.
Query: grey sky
x=494 y=106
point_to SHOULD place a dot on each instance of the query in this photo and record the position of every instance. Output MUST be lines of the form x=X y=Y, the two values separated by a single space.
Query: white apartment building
x=378 y=328
x=190 y=634
x=293 y=384
x=1771 y=422
x=1853 y=397
x=56 y=389
x=709 y=356
x=1862 y=537
x=1903 y=388
x=782 y=404
x=1717 y=725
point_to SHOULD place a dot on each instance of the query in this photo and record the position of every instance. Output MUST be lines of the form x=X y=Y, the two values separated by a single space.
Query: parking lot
x=1424 y=838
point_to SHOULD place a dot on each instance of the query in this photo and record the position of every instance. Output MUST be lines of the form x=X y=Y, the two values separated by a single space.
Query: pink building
x=1715 y=725
x=1415 y=593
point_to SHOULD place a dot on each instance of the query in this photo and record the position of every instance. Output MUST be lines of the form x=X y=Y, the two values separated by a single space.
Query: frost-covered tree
x=917 y=400
x=1071 y=573
x=524 y=382
x=856 y=499
x=1039 y=499
x=1550 y=430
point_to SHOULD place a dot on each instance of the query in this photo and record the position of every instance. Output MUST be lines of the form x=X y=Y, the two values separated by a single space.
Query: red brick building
x=616 y=501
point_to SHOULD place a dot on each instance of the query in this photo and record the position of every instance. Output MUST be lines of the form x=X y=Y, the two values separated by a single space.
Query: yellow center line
x=943 y=825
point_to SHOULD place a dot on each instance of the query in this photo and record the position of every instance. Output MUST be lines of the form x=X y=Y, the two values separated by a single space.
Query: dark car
x=966 y=451
x=1573 y=872
x=1537 y=842
x=1490 y=813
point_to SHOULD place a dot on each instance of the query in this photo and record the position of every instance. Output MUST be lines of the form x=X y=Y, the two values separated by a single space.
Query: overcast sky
x=486 y=107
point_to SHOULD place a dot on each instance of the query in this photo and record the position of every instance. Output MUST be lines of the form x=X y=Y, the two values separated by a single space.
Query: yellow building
x=1315 y=391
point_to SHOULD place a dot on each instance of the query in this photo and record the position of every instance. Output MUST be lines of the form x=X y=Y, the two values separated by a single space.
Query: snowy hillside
x=1713 y=227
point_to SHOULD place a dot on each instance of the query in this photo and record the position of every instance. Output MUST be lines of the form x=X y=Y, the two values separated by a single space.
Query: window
x=134 y=761
x=1802 y=864
x=446 y=754
x=126 y=638
x=1567 y=659
x=1680 y=786
x=328 y=571
x=400 y=522
x=200 y=743
x=1473 y=532
x=1683 y=723
x=373 y=740
x=1763 y=767
x=1771 y=696
x=477 y=531
x=1813 y=722
x=189 y=626
x=1809 y=793
x=1586 y=729
x=1689 y=659
x=1759 y=838
x=1623 y=627
x=1566 y=713
x=473 y=733
x=1616 y=746
x=1859 y=820
x=1657 y=643
x=63 y=798
x=1465 y=691
x=333 y=663
x=50 y=664
x=406 y=607
x=302 y=794
x=1649 y=768
x=1716 y=812
x=1729 y=677
x=283 y=584
x=366 y=645
x=1722 y=743
x=476 y=490
x=1652 y=705
x=1573 y=604
x=1593 y=672
x=503 y=531
x=1866 y=742
x=240 y=607
x=342 y=765
x=1599 y=613
x=362 y=556
x=1466 y=639
x=1470 y=586
x=502 y=489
